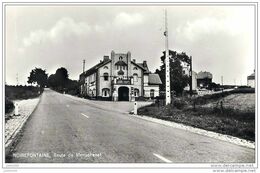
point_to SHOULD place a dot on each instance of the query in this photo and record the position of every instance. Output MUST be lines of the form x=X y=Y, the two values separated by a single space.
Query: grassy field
x=235 y=116
x=19 y=93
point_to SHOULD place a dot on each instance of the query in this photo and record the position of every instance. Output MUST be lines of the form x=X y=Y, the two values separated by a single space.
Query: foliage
x=22 y=92
x=38 y=76
x=213 y=86
x=178 y=79
x=9 y=105
x=60 y=82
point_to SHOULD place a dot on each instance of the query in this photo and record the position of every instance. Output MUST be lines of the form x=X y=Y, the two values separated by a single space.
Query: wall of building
x=138 y=84
x=146 y=79
x=251 y=83
x=147 y=90
x=89 y=87
x=102 y=83
x=194 y=80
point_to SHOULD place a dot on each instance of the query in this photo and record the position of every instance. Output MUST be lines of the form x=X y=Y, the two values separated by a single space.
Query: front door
x=123 y=94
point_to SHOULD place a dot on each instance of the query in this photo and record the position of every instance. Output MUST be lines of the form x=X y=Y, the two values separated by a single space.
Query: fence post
x=135 y=108
x=16 y=109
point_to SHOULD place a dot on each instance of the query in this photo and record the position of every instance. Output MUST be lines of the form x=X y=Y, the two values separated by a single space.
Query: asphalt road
x=68 y=130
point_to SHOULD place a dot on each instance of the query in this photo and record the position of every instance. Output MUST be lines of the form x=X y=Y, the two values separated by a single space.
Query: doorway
x=123 y=94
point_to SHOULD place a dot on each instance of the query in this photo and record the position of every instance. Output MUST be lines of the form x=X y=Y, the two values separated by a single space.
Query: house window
x=136 y=92
x=105 y=92
x=106 y=76
x=152 y=93
x=135 y=77
x=135 y=68
x=105 y=67
x=117 y=67
x=120 y=58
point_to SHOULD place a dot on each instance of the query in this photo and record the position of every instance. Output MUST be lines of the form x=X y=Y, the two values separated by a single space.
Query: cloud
x=124 y=19
x=64 y=28
x=193 y=30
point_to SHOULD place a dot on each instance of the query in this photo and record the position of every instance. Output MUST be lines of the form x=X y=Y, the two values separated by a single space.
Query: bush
x=141 y=98
x=9 y=105
x=179 y=103
x=21 y=92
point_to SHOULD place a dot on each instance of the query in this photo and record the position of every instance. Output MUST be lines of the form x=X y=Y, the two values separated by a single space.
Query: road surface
x=64 y=129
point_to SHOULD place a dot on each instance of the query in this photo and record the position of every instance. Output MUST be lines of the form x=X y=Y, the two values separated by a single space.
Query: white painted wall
x=251 y=83
x=102 y=82
x=147 y=90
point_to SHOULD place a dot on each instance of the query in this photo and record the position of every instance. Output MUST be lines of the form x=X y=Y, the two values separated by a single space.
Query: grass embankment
x=234 y=116
x=19 y=93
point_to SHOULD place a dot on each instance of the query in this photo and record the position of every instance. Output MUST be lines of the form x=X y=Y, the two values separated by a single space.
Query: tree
x=178 y=79
x=38 y=76
x=52 y=81
x=62 y=77
x=59 y=80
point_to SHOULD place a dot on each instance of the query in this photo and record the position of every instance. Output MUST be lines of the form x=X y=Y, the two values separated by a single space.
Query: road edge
x=13 y=139
x=219 y=136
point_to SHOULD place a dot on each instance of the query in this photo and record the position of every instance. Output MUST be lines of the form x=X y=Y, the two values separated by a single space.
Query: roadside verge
x=13 y=126
x=227 y=138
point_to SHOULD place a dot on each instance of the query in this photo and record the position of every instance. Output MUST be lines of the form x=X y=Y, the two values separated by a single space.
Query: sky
x=219 y=38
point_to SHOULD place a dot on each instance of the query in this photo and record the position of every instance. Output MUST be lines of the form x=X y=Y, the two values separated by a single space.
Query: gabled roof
x=95 y=68
x=138 y=65
x=252 y=76
x=154 y=79
x=146 y=70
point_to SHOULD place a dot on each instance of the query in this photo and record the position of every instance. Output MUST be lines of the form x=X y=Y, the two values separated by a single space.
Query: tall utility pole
x=84 y=61
x=167 y=64
x=222 y=83
x=17 y=79
x=190 y=75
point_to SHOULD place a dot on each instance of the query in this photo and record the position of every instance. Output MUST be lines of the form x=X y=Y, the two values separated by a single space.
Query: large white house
x=119 y=78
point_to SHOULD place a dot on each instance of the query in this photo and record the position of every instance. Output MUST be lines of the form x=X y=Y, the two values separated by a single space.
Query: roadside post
x=135 y=108
x=16 y=109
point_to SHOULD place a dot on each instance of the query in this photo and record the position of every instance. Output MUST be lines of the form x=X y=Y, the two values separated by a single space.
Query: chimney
x=112 y=62
x=134 y=60
x=144 y=64
x=106 y=58
x=129 y=73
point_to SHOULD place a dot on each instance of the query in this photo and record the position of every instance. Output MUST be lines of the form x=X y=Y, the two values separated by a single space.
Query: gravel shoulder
x=15 y=123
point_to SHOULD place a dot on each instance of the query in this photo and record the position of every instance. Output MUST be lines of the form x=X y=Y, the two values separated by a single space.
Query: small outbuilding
x=251 y=80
